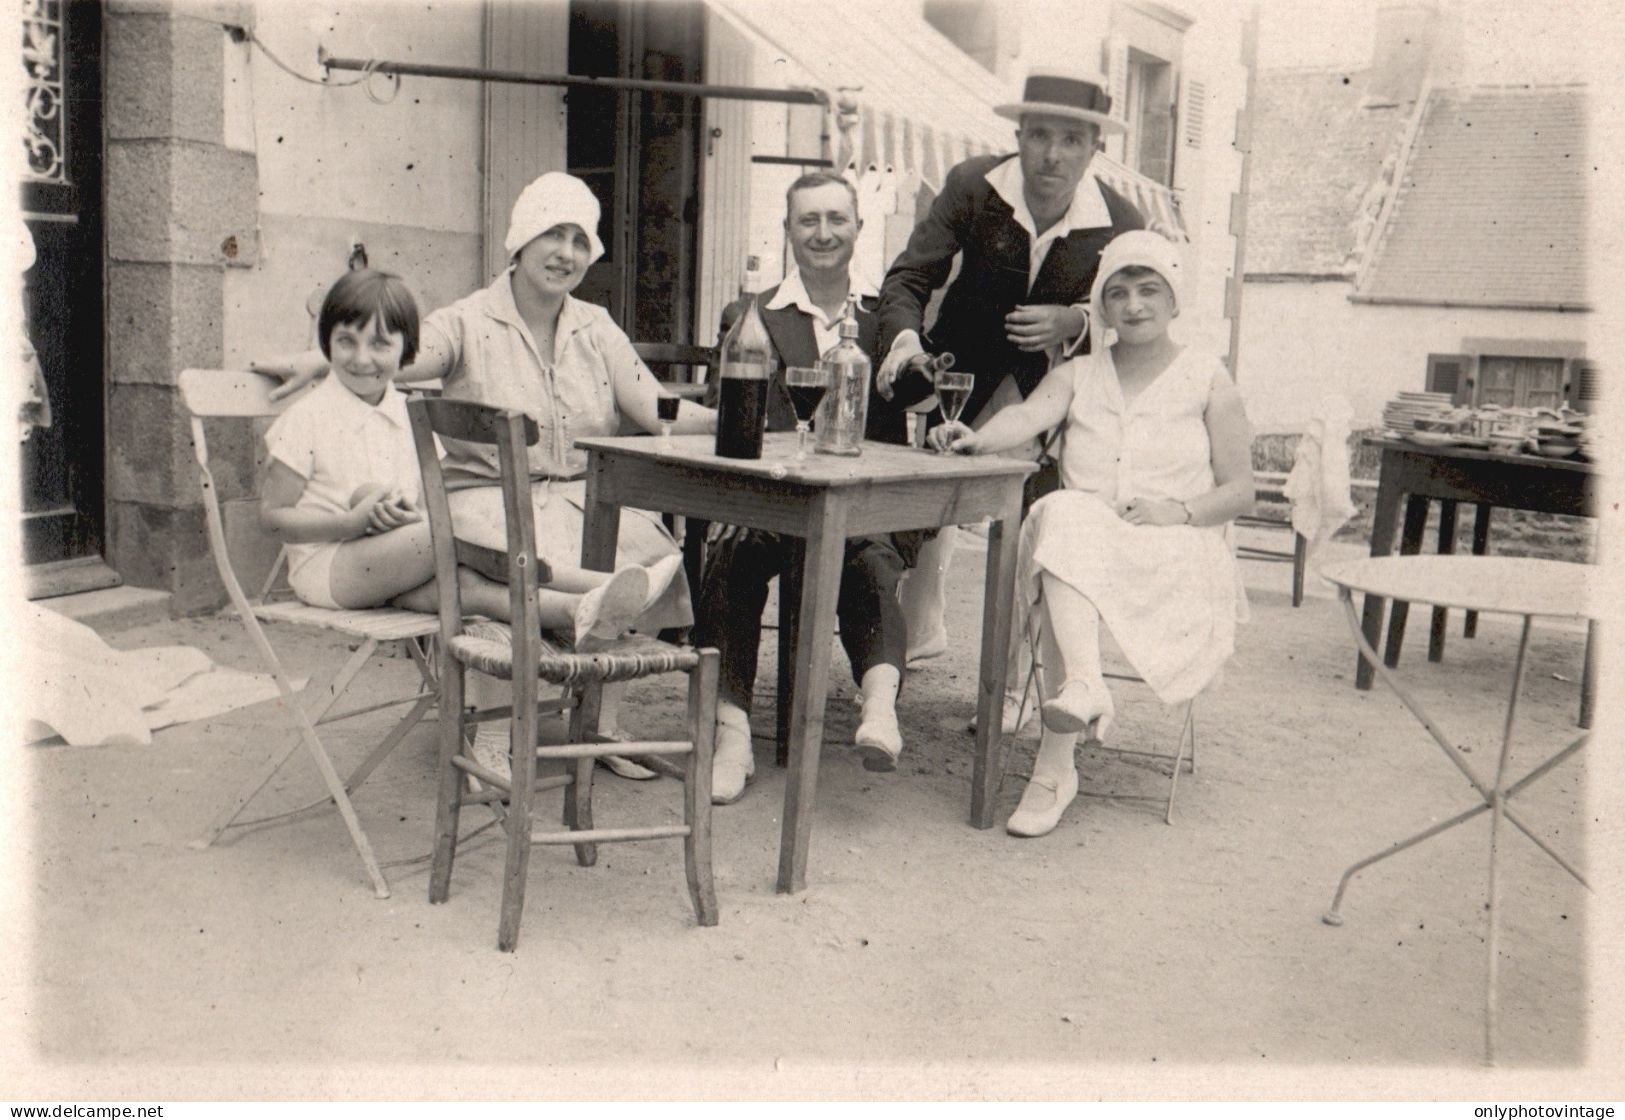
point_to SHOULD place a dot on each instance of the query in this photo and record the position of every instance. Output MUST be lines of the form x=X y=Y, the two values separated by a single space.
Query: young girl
x=343 y=491
x=1155 y=461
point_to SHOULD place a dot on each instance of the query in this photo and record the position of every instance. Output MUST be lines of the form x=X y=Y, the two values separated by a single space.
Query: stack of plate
x=1402 y=413
x=1588 y=437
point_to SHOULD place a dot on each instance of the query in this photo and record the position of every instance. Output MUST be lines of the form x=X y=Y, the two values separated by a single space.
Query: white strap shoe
x=1042 y=803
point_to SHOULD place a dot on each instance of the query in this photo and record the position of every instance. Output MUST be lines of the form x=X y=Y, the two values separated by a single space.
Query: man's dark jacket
x=970 y=217
x=791 y=331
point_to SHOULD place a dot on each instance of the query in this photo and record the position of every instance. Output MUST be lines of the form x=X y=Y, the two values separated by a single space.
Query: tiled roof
x=1316 y=156
x=1491 y=204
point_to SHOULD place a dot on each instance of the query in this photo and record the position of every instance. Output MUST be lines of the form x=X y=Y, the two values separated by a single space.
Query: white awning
x=915 y=102
x=920 y=103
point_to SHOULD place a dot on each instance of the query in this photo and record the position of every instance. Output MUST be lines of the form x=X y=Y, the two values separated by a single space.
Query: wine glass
x=953 y=392
x=807 y=385
x=666 y=410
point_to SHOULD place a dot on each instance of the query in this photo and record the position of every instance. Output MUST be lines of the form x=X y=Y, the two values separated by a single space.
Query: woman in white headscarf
x=524 y=342
x=1155 y=461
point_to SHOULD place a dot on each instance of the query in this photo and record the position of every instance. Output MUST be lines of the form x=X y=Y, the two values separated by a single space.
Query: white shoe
x=490 y=749
x=732 y=762
x=1078 y=707
x=623 y=767
x=1013 y=718
x=933 y=647
x=606 y=611
x=620 y=765
x=660 y=575
x=1042 y=803
x=879 y=740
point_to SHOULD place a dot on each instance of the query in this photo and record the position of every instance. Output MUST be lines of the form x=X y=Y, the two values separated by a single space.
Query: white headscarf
x=1137 y=248
x=551 y=200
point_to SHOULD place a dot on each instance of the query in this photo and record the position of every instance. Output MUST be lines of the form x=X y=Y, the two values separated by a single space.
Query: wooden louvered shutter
x=524 y=125
x=724 y=176
x=1116 y=68
x=1447 y=373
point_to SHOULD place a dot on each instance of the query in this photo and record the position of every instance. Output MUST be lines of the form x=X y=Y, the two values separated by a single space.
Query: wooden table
x=1514 y=585
x=824 y=500
x=1417 y=475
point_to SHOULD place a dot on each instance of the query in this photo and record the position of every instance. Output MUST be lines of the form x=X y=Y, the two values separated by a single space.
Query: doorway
x=62 y=464
x=639 y=151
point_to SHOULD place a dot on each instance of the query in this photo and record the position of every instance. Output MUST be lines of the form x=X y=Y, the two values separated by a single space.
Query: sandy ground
x=1118 y=957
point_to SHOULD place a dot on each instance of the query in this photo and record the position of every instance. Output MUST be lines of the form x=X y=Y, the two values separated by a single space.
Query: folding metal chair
x=1185 y=755
x=233 y=393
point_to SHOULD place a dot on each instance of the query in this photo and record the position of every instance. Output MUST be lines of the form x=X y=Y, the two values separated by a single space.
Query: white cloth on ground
x=75 y=685
x=1170 y=594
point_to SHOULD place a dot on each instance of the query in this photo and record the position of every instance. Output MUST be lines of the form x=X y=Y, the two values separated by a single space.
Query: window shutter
x=1586 y=389
x=524 y=125
x=724 y=176
x=1193 y=112
x=1117 y=87
x=1447 y=373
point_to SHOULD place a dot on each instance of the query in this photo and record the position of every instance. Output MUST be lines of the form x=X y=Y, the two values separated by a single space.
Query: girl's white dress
x=1171 y=594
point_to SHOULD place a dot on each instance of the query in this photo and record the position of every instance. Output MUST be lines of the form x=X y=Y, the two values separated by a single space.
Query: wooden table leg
x=1384 y=522
x=1410 y=543
x=1481 y=545
x=1588 y=678
x=821 y=581
x=1447 y=546
x=789 y=635
x=997 y=598
x=601 y=528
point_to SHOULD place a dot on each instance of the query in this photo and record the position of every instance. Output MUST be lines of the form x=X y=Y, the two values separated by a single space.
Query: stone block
x=183 y=202
x=149 y=447
x=165 y=548
x=231 y=13
x=235 y=454
x=164 y=78
x=252 y=550
x=162 y=318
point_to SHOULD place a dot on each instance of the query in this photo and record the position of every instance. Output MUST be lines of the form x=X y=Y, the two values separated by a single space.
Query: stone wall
x=180 y=210
x=234 y=191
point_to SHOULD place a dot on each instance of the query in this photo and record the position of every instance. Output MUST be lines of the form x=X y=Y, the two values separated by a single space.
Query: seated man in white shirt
x=802 y=315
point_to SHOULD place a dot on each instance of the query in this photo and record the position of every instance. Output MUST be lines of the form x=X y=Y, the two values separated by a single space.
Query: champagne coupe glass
x=807 y=385
x=953 y=391
x=666 y=410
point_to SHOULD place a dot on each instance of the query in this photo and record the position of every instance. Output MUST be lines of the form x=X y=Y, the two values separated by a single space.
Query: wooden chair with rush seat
x=521 y=655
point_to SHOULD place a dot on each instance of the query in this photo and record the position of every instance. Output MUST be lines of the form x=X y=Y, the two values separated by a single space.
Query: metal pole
x=523 y=77
x=1238 y=201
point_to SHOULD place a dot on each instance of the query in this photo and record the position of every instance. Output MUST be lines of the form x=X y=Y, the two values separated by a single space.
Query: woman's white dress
x=1170 y=594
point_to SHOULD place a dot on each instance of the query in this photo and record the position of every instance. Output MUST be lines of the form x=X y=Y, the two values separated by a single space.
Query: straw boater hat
x=1077 y=95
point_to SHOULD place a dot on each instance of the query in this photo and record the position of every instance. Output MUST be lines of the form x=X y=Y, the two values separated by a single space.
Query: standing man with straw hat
x=1029 y=229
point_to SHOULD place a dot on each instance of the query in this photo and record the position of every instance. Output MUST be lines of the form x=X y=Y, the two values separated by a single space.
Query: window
x=1150 y=115
x=1520 y=382
x=1447 y=373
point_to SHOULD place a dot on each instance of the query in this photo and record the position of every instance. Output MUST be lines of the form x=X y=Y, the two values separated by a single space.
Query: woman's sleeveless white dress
x=1170 y=594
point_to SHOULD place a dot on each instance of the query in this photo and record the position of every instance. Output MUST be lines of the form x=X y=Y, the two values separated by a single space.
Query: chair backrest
x=215 y=393
x=664 y=359
x=518 y=566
